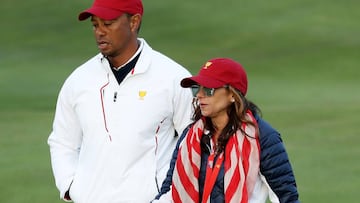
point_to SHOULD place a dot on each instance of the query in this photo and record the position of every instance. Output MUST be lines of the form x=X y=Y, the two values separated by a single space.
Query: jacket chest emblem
x=142 y=94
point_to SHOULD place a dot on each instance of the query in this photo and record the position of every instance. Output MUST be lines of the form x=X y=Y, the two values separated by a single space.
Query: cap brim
x=101 y=12
x=201 y=80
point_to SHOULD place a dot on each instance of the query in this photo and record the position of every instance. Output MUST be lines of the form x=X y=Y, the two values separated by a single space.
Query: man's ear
x=135 y=22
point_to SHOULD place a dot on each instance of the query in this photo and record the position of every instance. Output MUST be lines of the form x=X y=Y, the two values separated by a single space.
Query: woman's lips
x=202 y=105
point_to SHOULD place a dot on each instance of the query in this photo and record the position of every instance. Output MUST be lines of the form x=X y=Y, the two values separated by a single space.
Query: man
x=117 y=115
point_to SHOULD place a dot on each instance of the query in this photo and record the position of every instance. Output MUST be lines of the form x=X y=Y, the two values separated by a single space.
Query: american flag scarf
x=241 y=165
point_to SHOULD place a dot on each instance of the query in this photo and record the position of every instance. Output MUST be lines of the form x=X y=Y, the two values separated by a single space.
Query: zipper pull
x=115 y=96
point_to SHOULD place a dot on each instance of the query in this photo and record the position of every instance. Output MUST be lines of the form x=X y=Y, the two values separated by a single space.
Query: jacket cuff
x=65 y=188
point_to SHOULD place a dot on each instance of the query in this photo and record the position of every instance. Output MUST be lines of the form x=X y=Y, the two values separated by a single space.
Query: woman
x=228 y=154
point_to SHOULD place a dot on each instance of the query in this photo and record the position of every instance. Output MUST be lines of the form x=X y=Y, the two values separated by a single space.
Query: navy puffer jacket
x=274 y=165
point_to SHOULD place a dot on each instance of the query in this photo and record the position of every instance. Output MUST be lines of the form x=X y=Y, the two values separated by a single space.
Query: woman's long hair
x=236 y=112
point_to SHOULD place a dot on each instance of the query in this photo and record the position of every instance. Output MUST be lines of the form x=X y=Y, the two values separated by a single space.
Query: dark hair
x=236 y=112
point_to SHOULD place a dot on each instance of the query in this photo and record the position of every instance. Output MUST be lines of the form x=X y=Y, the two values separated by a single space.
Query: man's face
x=114 y=37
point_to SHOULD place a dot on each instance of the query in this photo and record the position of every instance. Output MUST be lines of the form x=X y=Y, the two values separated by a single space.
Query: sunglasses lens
x=195 y=89
x=208 y=91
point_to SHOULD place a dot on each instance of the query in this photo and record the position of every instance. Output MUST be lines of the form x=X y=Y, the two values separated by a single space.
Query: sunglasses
x=207 y=91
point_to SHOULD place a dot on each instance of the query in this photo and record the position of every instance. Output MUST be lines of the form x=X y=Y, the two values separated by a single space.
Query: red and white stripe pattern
x=242 y=161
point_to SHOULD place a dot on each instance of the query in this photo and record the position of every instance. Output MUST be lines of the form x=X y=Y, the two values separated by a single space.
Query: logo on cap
x=207 y=64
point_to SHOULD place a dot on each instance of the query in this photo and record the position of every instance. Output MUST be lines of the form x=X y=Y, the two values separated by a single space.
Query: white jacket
x=112 y=143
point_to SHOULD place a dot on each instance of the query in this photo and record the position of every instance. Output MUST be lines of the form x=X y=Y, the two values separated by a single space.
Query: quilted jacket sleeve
x=275 y=164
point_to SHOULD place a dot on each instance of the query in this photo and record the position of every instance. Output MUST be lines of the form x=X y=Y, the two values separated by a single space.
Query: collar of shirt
x=121 y=72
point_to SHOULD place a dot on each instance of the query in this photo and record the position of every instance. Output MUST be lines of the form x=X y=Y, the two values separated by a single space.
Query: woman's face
x=216 y=105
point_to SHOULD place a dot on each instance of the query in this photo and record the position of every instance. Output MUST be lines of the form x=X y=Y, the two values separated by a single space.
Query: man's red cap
x=111 y=9
x=218 y=72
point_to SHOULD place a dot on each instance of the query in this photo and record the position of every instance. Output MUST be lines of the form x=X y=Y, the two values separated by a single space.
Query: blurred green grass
x=302 y=59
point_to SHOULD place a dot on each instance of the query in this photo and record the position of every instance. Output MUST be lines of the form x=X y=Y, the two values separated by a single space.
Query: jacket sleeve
x=275 y=164
x=165 y=187
x=64 y=141
x=182 y=102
